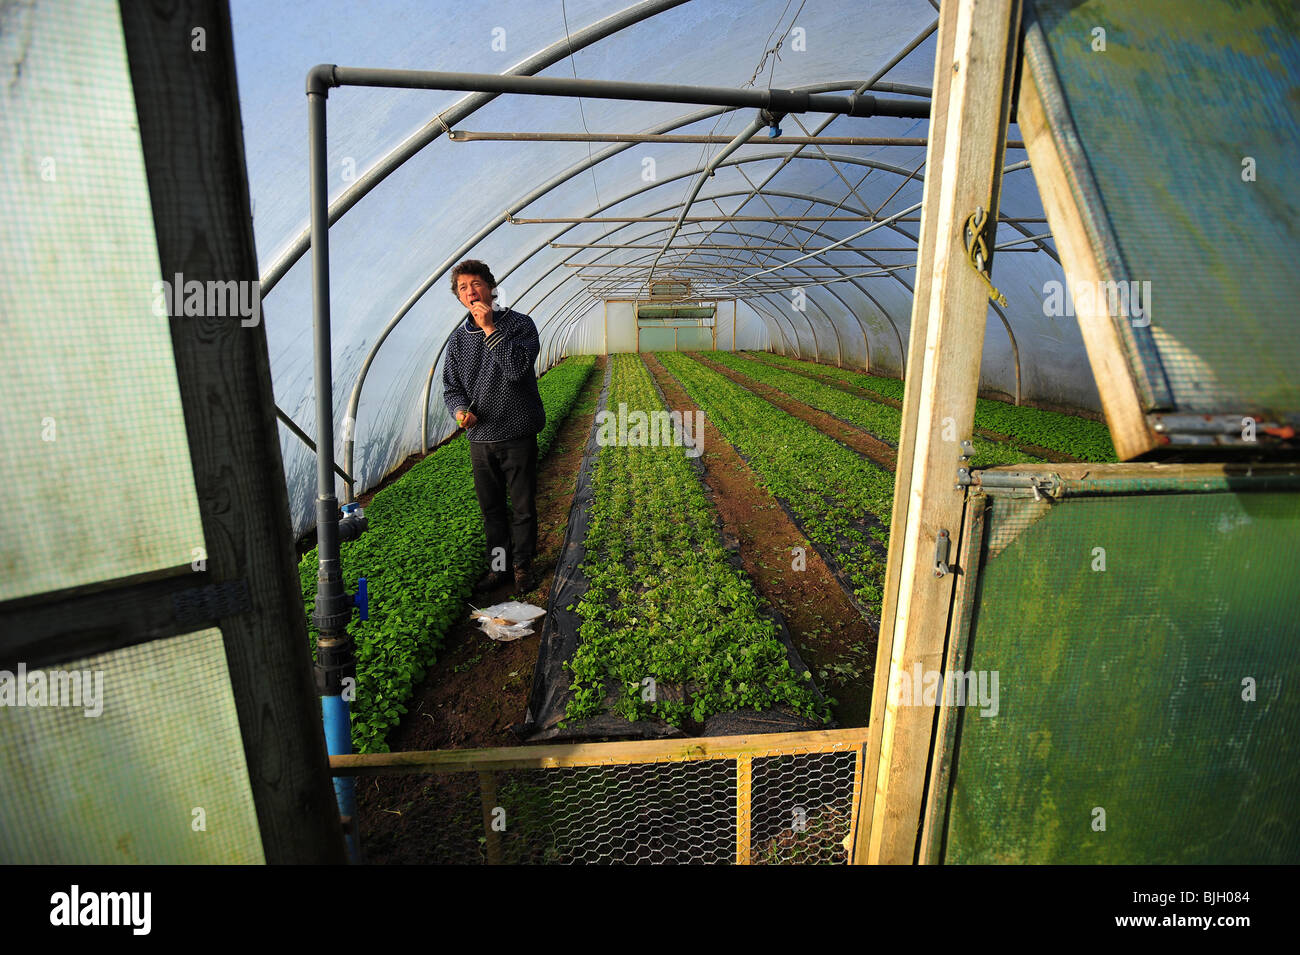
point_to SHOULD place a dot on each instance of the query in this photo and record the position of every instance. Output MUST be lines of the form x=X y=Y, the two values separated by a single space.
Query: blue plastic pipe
x=337 y=714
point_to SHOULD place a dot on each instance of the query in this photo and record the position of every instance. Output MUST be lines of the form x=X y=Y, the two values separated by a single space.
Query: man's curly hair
x=476 y=268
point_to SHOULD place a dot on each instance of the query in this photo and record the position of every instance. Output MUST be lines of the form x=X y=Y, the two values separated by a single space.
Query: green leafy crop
x=881 y=420
x=664 y=604
x=834 y=491
x=1078 y=437
x=422 y=552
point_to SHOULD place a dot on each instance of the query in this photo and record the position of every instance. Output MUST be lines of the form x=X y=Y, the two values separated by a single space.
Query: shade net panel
x=1131 y=643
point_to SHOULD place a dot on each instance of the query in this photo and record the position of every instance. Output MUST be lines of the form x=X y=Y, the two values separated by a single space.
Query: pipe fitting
x=773 y=120
x=353 y=523
x=320 y=78
x=335 y=662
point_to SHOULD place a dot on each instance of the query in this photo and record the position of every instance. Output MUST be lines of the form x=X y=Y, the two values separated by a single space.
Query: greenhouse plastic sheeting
x=407 y=230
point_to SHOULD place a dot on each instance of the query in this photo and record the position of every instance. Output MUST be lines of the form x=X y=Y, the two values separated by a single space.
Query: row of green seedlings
x=669 y=626
x=879 y=420
x=832 y=490
x=1069 y=434
x=422 y=552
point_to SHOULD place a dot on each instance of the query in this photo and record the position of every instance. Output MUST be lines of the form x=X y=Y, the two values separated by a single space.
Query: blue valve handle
x=361 y=599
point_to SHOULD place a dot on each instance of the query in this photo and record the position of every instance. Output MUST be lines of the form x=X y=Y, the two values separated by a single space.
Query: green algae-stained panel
x=99 y=484
x=1186 y=97
x=148 y=766
x=1122 y=689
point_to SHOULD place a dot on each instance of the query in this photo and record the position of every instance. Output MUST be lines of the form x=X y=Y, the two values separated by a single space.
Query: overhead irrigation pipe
x=468 y=136
x=324 y=76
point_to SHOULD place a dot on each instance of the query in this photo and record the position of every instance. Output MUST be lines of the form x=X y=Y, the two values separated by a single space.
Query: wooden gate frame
x=974 y=75
x=486 y=763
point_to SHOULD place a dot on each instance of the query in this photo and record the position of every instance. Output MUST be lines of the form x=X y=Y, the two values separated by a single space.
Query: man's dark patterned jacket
x=494 y=378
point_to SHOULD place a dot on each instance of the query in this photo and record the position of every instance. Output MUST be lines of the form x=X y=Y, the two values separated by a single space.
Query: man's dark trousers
x=498 y=466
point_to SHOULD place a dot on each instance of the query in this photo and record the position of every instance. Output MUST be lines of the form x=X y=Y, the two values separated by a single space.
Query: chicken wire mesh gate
x=776 y=798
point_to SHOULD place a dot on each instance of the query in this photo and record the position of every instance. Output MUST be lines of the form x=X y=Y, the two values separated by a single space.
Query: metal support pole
x=335 y=659
x=301 y=435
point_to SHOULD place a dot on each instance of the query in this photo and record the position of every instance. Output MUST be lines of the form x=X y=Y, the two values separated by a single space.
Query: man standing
x=489 y=385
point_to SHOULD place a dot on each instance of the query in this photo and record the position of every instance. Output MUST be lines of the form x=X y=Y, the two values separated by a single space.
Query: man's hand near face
x=482 y=314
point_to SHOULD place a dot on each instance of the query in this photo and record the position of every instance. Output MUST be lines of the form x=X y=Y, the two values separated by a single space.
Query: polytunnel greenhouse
x=715 y=431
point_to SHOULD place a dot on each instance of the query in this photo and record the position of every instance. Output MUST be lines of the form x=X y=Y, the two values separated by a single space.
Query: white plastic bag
x=507 y=621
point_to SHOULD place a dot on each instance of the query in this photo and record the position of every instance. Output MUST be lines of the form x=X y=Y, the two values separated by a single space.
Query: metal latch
x=1045 y=486
x=941 y=568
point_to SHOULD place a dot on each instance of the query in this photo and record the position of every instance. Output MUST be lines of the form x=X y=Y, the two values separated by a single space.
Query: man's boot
x=491 y=581
x=524 y=580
